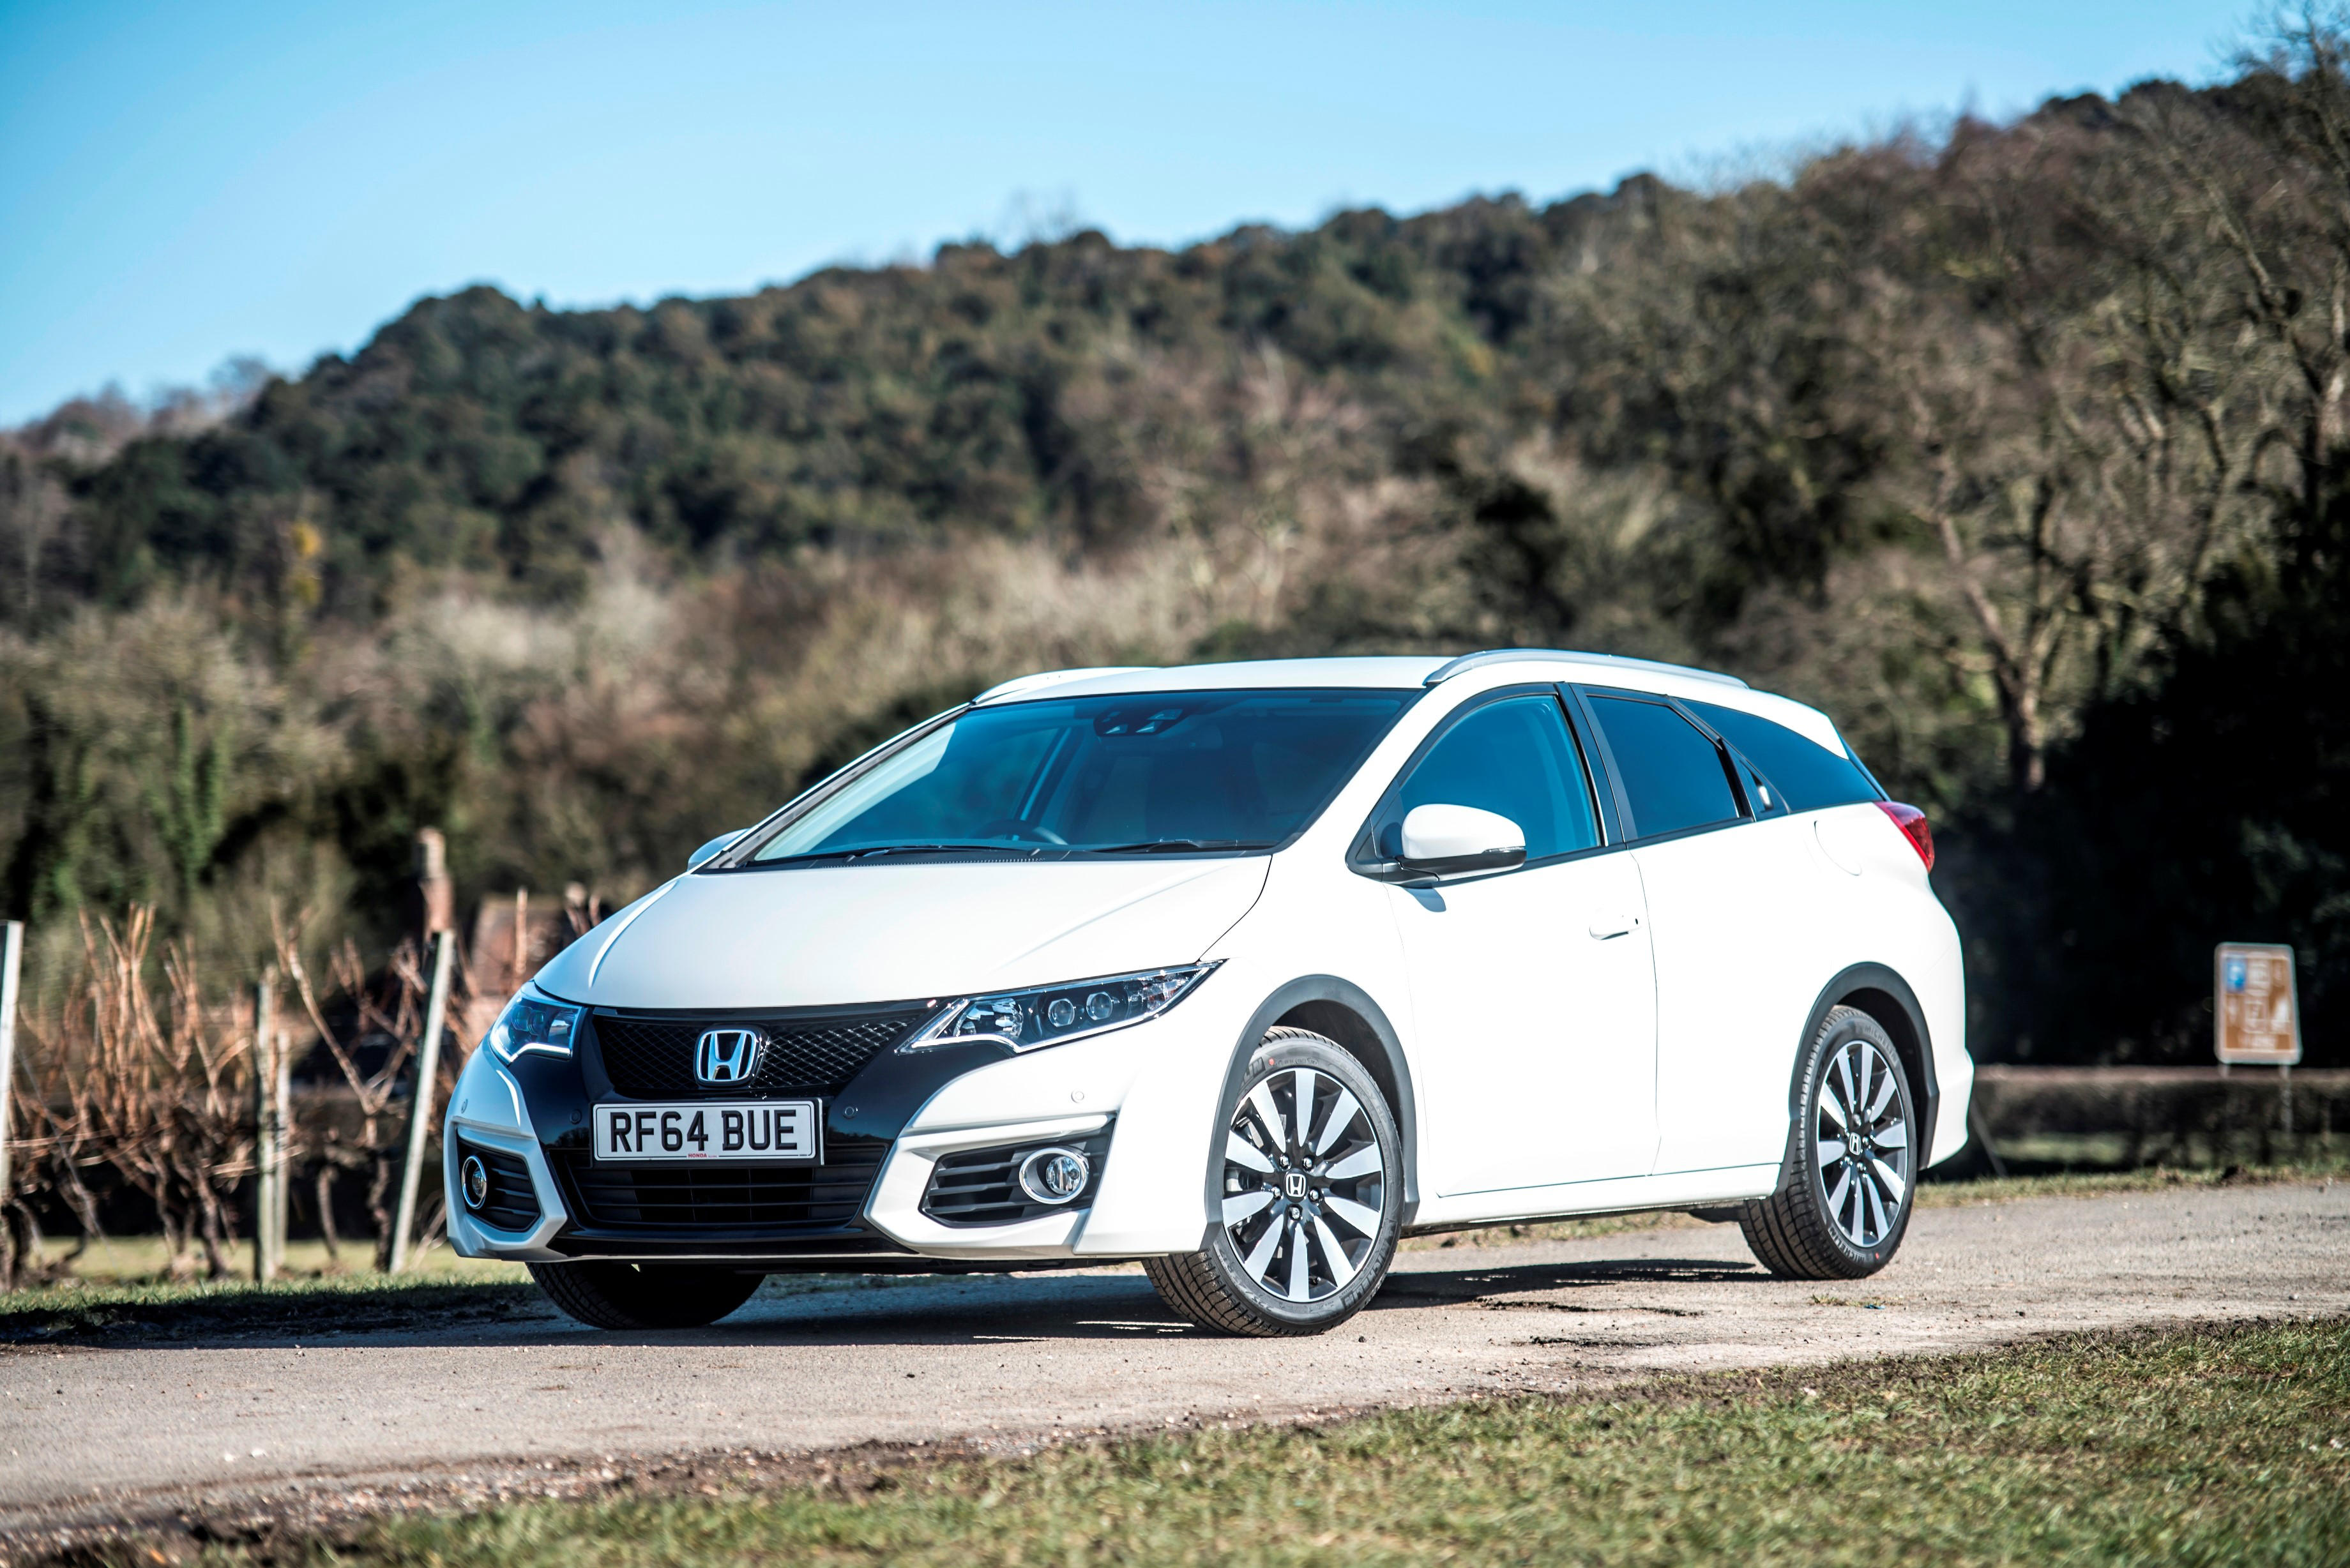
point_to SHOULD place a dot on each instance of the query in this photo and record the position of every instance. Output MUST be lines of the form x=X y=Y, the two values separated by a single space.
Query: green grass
x=312 y=1304
x=332 y=1303
x=1931 y=1194
x=121 y=1285
x=2114 y=1151
x=2204 y=1446
x=1934 y=1194
x=141 y=1259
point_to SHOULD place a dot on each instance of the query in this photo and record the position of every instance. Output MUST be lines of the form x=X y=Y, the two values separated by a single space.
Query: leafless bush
x=156 y=1089
x=142 y=1077
x=368 y=1138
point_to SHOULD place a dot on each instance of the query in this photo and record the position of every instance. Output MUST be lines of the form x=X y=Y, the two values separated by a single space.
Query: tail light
x=1913 y=824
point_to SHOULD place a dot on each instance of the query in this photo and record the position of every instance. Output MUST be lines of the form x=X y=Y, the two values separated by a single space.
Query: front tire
x=1852 y=1159
x=629 y=1297
x=1311 y=1194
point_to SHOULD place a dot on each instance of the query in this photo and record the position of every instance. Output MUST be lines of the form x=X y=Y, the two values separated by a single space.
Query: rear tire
x=636 y=1296
x=1852 y=1159
x=1312 y=1205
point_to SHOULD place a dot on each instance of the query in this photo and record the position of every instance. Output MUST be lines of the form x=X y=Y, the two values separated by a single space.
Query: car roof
x=1408 y=673
x=1391 y=673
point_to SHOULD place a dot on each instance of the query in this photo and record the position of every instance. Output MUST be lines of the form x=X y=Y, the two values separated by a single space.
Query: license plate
x=709 y=1129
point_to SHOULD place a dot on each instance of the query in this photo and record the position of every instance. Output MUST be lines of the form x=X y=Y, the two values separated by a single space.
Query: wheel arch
x=1885 y=996
x=1345 y=1013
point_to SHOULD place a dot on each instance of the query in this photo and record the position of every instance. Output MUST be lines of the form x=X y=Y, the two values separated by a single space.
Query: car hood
x=842 y=935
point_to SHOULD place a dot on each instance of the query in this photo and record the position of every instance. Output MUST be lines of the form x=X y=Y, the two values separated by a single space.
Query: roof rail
x=1043 y=678
x=1468 y=661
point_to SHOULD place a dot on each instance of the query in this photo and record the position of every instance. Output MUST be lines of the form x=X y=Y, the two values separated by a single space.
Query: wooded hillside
x=2018 y=447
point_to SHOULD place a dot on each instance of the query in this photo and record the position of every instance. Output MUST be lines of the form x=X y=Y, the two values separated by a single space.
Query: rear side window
x=1807 y=774
x=1671 y=771
x=1514 y=757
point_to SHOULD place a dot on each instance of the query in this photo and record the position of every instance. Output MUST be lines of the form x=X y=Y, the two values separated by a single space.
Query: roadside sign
x=2255 y=1010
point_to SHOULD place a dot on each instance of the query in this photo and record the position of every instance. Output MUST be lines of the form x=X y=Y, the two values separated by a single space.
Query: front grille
x=709 y=1196
x=513 y=1201
x=981 y=1186
x=652 y=1058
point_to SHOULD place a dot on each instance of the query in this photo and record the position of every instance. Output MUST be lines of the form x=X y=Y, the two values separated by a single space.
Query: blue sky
x=182 y=182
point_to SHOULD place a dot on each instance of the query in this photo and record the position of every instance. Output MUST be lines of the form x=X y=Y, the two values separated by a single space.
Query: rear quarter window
x=1805 y=773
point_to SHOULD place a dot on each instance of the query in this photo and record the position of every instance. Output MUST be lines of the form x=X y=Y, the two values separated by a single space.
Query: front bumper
x=1148 y=1088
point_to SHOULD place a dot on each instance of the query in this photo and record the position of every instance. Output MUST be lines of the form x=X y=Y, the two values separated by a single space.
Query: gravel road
x=125 y=1431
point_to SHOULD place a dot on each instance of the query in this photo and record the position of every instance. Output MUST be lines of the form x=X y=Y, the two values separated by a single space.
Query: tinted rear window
x=1673 y=772
x=1807 y=774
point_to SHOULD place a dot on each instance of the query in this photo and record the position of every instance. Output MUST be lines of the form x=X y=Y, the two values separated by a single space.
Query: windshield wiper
x=965 y=848
x=1015 y=848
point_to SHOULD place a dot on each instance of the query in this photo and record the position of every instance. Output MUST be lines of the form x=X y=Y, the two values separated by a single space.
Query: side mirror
x=712 y=848
x=1446 y=840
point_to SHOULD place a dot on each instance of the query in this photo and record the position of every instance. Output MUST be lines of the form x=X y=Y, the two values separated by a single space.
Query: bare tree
x=32 y=507
x=2265 y=170
x=2083 y=415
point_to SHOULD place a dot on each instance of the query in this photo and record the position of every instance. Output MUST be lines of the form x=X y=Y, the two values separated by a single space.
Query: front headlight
x=1049 y=1014
x=534 y=1023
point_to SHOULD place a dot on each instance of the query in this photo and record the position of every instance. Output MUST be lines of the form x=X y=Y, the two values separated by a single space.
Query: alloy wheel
x=1304 y=1185
x=1863 y=1139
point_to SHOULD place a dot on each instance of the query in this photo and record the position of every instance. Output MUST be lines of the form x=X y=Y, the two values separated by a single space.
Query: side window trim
x=1748 y=768
x=1732 y=759
x=1628 y=824
x=1365 y=859
x=1598 y=768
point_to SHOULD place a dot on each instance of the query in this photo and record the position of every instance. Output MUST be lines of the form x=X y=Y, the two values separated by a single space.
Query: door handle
x=1607 y=927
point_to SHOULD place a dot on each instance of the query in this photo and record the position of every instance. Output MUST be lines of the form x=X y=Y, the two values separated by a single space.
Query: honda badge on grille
x=727 y=1055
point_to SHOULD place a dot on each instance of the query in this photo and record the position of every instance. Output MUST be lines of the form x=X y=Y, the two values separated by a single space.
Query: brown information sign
x=2255 y=1011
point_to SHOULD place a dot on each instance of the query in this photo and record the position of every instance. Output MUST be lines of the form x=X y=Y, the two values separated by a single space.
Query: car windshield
x=1167 y=772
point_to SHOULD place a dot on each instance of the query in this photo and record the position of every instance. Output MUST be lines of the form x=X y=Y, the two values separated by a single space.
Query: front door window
x=1514 y=758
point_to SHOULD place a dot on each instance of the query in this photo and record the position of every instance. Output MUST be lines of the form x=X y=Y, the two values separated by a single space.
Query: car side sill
x=1616 y=1195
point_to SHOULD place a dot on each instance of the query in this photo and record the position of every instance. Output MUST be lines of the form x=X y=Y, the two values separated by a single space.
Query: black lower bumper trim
x=705 y=1199
x=981 y=1186
x=835 y=1263
x=857 y=1243
x=510 y=1203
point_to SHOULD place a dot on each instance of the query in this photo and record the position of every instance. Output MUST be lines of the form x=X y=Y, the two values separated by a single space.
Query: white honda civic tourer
x=1244 y=970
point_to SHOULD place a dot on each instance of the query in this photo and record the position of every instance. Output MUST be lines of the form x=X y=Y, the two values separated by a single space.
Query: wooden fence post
x=420 y=1104
x=268 y=1137
x=281 y=1186
x=12 y=959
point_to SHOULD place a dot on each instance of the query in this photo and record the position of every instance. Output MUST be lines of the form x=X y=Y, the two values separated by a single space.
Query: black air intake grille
x=712 y=1196
x=981 y=1186
x=513 y=1201
x=652 y=1058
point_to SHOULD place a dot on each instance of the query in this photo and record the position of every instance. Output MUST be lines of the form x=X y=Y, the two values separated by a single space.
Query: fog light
x=474 y=1180
x=1054 y=1176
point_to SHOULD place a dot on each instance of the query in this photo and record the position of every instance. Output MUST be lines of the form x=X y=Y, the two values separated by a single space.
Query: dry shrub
x=143 y=1078
x=158 y=1090
x=363 y=1128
